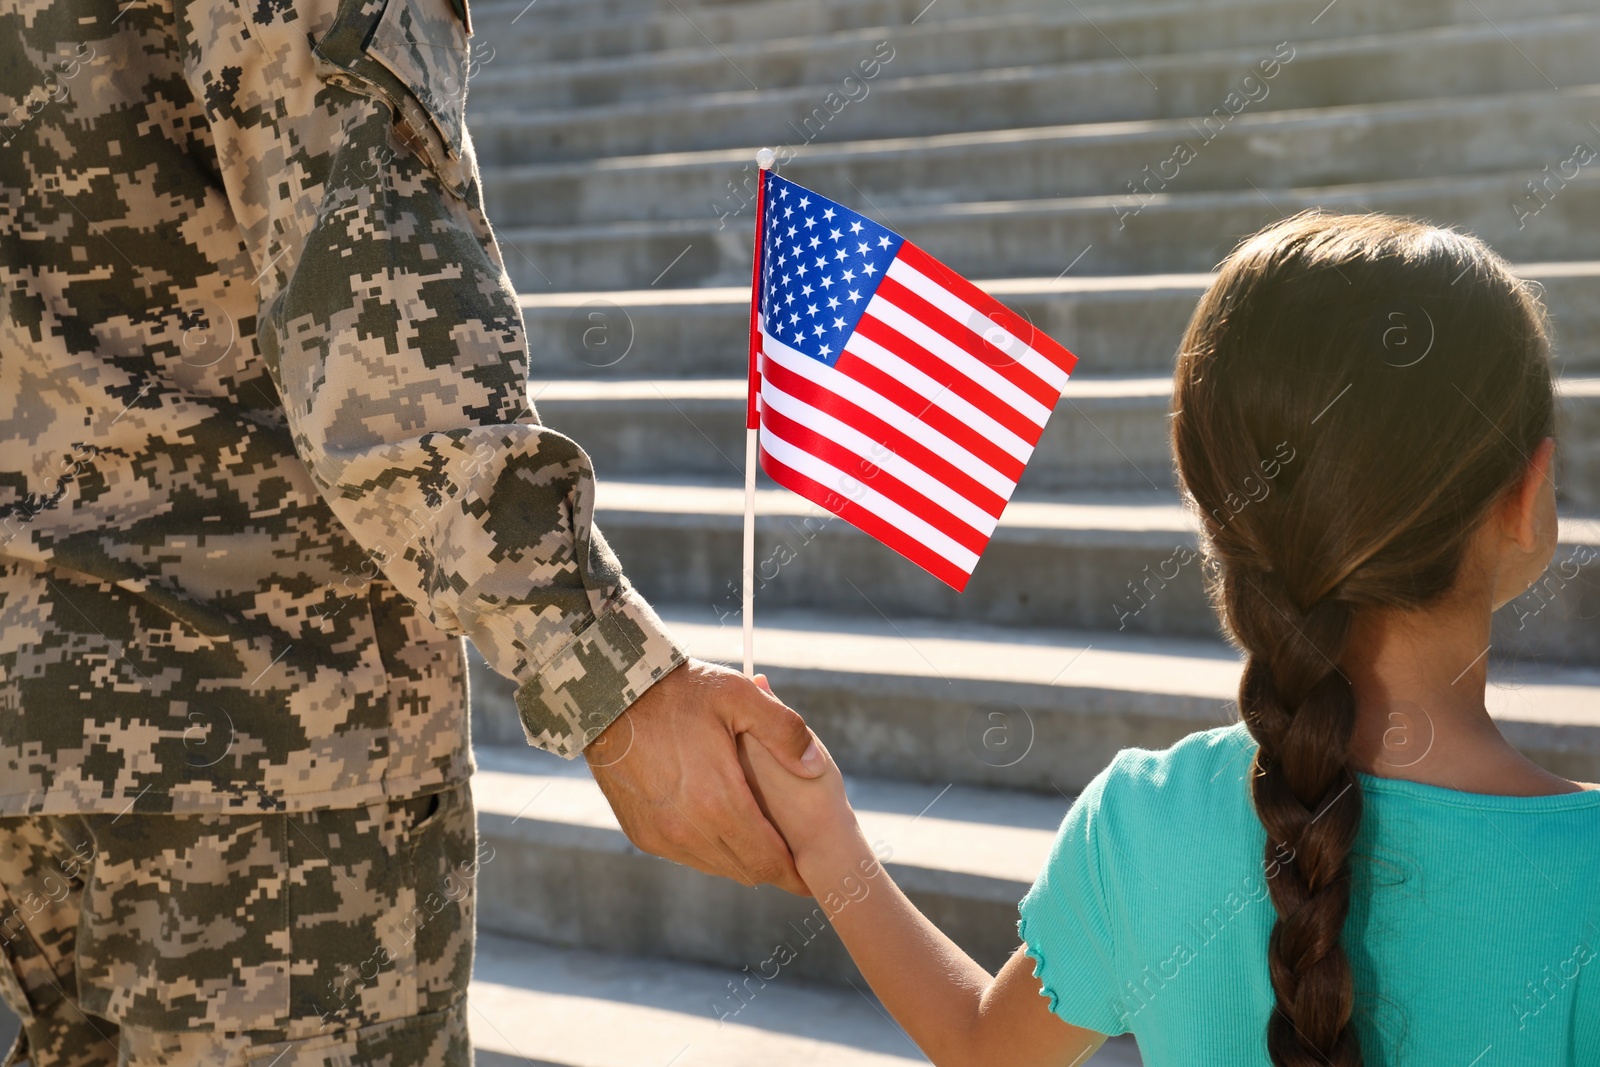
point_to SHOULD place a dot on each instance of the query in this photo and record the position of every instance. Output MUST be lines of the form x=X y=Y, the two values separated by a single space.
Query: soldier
x=269 y=456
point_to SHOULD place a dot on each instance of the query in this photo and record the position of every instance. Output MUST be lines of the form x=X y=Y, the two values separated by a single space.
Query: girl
x=1362 y=870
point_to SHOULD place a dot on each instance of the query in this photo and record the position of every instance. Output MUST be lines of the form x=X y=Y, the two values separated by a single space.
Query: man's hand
x=669 y=767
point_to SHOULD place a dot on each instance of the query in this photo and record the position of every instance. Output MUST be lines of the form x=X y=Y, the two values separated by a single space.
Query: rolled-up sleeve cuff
x=596 y=675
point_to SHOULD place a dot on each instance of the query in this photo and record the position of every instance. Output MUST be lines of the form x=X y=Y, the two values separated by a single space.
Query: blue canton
x=820 y=264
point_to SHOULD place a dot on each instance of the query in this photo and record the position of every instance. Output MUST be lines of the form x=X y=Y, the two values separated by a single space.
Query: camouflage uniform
x=297 y=939
x=262 y=387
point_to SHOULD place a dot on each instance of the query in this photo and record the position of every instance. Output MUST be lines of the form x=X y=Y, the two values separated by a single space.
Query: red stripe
x=966 y=337
x=940 y=371
x=874 y=476
x=1018 y=326
x=865 y=521
x=908 y=448
x=925 y=410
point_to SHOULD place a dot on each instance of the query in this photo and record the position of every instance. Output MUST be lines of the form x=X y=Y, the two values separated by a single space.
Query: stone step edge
x=595 y=1009
x=733 y=390
x=1045 y=18
x=631 y=10
x=830 y=648
x=913 y=215
x=961 y=841
x=1123 y=516
x=1399 y=41
x=553 y=1006
x=830 y=152
x=1117 y=284
x=685 y=55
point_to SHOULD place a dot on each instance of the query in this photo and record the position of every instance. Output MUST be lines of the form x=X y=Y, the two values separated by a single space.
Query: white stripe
x=864 y=496
x=967 y=315
x=940 y=396
x=909 y=326
x=891 y=463
x=831 y=379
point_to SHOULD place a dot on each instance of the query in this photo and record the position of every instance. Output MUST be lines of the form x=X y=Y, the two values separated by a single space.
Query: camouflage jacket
x=263 y=400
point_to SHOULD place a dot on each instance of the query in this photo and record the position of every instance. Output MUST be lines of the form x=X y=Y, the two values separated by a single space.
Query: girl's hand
x=812 y=814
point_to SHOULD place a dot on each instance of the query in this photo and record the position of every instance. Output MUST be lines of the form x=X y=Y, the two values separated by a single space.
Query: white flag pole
x=764 y=160
x=749 y=552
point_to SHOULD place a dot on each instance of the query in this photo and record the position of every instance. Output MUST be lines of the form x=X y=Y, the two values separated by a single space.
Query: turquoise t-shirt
x=1473 y=931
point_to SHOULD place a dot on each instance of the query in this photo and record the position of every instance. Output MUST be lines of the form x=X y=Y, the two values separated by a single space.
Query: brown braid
x=1397 y=453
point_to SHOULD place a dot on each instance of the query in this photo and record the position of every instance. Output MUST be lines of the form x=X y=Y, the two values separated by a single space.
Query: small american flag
x=890 y=390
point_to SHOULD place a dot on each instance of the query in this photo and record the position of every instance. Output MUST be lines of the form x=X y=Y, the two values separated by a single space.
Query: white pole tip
x=765 y=158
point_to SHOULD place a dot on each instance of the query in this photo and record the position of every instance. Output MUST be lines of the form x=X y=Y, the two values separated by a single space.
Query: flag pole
x=764 y=161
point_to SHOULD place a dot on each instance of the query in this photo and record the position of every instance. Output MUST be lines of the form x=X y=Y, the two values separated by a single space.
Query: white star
x=813 y=310
x=849 y=275
x=800 y=269
x=815 y=241
x=834 y=235
x=793 y=231
x=805 y=201
x=884 y=242
x=824 y=349
x=794 y=318
x=819 y=331
x=783 y=192
x=828 y=214
x=855 y=227
x=862 y=248
x=788 y=299
x=838 y=324
x=869 y=270
x=810 y=222
x=833 y=302
x=805 y=290
x=827 y=282
x=788 y=211
x=841 y=254
x=854 y=296
x=822 y=261
x=785 y=279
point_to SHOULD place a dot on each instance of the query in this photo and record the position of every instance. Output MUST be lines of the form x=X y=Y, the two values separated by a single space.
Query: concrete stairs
x=546 y=1006
x=1030 y=147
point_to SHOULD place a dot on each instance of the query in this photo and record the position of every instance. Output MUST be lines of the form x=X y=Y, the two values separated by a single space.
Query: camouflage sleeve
x=395 y=340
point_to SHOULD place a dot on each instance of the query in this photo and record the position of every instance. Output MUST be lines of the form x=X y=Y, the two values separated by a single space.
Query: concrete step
x=1106 y=433
x=1123 y=562
x=1509 y=56
x=1273 y=149
x=1117 y=325
x=1159 y=233
x=545 y=1005
x=554 y=31
x=965 y=44
x=540 y=1005
x=1127 y=325
x=965 y=855
x=1036 y=709
x=723 y=20
x=568 y=29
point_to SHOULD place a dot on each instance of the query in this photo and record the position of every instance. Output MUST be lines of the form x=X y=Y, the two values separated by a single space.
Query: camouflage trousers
x=331 y=938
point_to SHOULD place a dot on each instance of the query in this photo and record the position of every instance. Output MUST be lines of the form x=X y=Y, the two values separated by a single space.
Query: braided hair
x=1353 y=395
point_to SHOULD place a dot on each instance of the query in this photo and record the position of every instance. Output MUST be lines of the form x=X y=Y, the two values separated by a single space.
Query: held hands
x=670 y=768
x=812 y=814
